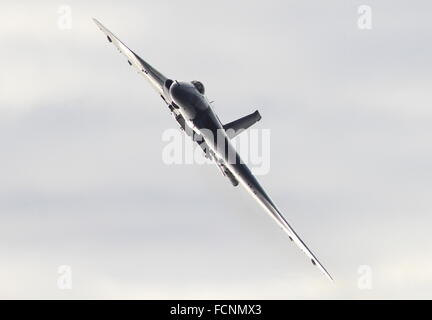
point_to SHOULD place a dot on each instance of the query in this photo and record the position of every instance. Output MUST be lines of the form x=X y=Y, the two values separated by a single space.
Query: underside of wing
x=298 y=241
x=154 y=76
x=252 y=185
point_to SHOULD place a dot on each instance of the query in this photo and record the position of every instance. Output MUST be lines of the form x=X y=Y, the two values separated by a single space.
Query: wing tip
x=315 y=262
x=329 y=277
x=96 y=21
x=99 y=25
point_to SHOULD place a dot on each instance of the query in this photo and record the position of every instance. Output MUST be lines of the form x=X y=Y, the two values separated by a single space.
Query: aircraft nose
x=182 y=97
x=173 y=87
x=177 y=93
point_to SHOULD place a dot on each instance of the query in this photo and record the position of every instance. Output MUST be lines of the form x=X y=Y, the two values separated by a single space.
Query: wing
x=242 y=174
x=235 y=168
x=252 y=185
x=155 y=77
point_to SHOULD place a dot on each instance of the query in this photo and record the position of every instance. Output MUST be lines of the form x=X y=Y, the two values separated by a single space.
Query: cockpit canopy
x=199 y=86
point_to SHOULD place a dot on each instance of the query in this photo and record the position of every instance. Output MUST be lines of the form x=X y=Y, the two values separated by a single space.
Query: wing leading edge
x=155 y=77
x=252 y=185
x=297 y=240
x=243 y=175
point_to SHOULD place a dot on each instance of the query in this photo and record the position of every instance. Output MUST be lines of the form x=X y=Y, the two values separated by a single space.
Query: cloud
x=83 y=184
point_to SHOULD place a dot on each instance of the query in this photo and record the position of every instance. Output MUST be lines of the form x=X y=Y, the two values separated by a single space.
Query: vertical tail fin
x=234 y=128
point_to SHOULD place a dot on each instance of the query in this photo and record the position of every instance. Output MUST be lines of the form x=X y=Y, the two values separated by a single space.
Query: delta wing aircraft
x=194 y=114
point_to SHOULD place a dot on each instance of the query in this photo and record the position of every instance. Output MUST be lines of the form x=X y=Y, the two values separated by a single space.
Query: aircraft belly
x=213 y=132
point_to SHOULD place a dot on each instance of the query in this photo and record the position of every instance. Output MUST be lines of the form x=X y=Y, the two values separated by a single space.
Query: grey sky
x=83 y=184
